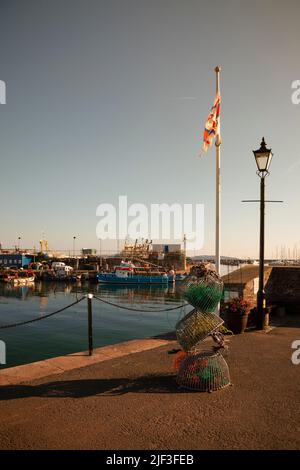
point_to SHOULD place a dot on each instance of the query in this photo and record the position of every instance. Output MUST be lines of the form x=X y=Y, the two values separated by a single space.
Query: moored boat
x=128 y=273
x=23 y=277
x=8 y=276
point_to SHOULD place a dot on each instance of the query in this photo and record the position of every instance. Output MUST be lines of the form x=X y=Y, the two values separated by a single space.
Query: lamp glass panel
x=262 y=161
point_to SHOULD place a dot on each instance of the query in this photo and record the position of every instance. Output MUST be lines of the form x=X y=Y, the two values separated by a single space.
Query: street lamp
x=19 y=239
x=263 y=157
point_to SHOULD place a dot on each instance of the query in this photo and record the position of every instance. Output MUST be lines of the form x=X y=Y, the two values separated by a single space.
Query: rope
x=139 y=309
x=12 y=325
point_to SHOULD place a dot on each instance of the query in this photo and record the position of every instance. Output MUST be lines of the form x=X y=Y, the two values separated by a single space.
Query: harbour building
x=16 y=260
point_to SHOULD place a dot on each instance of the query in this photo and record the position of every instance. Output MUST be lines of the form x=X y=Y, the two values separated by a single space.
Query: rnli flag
x=212 y=125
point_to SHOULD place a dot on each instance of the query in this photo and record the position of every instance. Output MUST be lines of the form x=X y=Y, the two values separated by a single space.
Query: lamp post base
x=262 y=320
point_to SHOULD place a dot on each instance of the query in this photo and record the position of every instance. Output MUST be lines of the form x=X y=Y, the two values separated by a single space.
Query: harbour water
x=66 y=332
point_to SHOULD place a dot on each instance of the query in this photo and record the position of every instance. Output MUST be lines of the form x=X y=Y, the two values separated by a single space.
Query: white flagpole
x=218 y=181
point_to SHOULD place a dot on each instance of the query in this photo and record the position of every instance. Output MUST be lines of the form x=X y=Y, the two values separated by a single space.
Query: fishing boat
x=127 y=273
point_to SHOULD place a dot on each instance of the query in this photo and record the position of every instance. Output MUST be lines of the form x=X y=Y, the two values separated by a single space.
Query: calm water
x=66 y=332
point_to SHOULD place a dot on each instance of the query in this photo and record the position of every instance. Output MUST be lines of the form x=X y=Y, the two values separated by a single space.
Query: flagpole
x=218 y=181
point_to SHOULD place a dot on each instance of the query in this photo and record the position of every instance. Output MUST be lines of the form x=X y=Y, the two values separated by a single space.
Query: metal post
x=218 y=180
x=218 y=204
x=90 y=323
x=74 y=264
x=184 y=252
x=261 y=295
x=100 y=260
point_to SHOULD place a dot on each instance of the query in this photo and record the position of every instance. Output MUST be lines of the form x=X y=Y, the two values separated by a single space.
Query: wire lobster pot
x=203 y=288
x=198 y=370
x=195 y=327
x=203 y=372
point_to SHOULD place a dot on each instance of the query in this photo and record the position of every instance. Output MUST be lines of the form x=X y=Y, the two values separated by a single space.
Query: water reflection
x=18 y=292
x=125 y=294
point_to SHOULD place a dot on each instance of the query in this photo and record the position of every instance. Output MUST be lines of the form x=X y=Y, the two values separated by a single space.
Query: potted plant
x=236 y=313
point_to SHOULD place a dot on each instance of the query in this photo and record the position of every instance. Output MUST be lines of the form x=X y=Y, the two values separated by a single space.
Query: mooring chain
x=12 y=325
x=140 y=309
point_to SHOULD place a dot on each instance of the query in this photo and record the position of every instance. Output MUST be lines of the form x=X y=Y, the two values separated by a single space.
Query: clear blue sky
x=95 y=109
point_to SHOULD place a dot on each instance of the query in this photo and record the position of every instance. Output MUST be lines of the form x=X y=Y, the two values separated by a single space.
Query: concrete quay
x=127 y=398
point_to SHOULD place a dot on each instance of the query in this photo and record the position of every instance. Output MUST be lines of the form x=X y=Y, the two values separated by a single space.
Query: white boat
x=22 y=278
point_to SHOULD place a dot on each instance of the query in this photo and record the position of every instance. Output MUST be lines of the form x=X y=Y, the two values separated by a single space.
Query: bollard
x=90 y=323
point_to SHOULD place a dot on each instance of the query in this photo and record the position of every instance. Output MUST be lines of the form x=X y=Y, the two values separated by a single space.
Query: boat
x=17 y=277
x=127 y=273
x=23 y=277
x=8 y=276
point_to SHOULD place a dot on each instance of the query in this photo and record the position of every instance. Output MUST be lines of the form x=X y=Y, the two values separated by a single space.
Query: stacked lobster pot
x=199 y=369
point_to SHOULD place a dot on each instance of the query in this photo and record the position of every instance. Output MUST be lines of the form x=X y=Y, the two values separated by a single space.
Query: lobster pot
x=203 y=289
x=203 y=372
x=195 y=327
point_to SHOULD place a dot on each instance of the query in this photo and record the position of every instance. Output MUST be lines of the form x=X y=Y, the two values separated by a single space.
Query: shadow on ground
x=88 y=387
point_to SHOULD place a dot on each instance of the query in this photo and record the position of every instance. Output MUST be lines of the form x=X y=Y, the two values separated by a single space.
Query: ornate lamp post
x=263 y=157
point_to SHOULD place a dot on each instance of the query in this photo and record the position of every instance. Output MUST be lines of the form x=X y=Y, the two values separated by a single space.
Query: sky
x=109 y=97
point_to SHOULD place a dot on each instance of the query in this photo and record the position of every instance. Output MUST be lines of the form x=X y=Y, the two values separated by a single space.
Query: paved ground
x=133 y=402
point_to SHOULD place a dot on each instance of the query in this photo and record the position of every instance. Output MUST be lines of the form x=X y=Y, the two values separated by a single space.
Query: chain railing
x=89 y=298
x=13 y=325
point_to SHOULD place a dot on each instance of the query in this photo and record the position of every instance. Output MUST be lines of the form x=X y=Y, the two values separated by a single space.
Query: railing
x=89 y=298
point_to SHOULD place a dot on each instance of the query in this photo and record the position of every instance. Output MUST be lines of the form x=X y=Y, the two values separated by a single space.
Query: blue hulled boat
x=128 y=273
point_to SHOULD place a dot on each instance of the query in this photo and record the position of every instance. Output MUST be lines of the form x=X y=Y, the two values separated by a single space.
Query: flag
x=212 y=125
